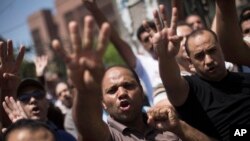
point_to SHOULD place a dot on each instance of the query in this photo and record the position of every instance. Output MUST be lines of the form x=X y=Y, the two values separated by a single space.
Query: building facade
x=45 y=26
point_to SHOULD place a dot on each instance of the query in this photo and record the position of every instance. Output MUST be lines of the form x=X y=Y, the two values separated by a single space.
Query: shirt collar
x=123 y=128
x=117 y=125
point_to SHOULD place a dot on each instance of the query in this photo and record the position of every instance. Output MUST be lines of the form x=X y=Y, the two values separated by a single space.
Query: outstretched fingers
x=13 y=109
x=3 y=52
x=19 y=59
x=174 y=21
x=6 y=105
x=162 y=12
x=56 y=45
x=157 y=21
x=10 y=54
x=75 y=37
x=88 y=32
x=103 y=39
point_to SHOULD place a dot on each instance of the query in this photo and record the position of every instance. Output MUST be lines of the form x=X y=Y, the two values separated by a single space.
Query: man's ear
x=191 y=66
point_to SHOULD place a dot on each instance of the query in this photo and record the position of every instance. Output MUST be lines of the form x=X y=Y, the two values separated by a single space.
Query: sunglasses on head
x=25 y=97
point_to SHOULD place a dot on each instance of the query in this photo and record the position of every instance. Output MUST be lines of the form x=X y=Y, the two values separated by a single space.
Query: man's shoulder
x=191 y=78
x=154 y=134
x=61 y=135
x=64 y=136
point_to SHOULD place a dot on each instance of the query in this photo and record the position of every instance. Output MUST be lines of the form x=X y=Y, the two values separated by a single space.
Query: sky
x=14 y=15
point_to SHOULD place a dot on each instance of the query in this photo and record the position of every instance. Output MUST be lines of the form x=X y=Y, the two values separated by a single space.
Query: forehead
x=60 y=86
x=184 y=30
x=202 y=40
x=144 y=35
x=245 y=24
x=115 y=73
x=193 y=18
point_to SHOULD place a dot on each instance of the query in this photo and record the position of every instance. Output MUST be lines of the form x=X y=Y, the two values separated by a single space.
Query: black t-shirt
x=212 y=107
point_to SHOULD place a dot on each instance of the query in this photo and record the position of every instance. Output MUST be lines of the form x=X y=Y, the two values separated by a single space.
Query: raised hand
x=41 y=62
x=9 y=66
x=164 y=39
x=13 y=109
x=163 y=118
x=84 y=65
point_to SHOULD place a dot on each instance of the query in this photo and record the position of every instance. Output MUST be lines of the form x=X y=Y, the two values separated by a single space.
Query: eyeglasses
x=25 y=97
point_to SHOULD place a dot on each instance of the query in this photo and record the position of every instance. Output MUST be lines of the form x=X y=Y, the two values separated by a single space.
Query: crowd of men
x=194 y=85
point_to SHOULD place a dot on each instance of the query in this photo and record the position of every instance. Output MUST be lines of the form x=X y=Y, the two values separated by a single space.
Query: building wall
x=45 y=27
x=43 y=30
x=68 y=11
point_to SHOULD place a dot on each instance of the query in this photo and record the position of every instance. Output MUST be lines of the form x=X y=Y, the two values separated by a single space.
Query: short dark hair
x=27 y=124
x=196 y=33
x=130 y=69
x=141 y=29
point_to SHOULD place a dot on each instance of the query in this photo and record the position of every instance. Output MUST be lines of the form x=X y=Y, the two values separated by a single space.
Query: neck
x=137 y=124
x=140 y=125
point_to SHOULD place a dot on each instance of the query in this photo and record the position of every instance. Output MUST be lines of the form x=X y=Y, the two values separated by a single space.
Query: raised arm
x=166 y=44
x=85 y=69
x=229 y=33
x=9 y=78
x=123 y=48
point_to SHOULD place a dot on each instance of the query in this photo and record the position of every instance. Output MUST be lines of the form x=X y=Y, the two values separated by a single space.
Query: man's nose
x=33 y=100
x=122 y=93
x=208 y=59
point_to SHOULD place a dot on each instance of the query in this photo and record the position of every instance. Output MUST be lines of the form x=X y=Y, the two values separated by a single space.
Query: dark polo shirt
x=120 y=132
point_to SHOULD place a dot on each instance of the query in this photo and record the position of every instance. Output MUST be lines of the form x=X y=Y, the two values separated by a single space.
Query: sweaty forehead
x=206 y=38
x=117 y=73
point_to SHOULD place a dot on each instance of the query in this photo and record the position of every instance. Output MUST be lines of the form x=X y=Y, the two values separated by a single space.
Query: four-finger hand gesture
x=164 y=40
x=13 y=109
x=84 y=64
x=41 y=62
x=9 y=66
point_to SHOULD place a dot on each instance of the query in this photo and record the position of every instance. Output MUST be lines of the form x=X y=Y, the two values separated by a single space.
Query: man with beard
x=64 y=97
x=118 y=91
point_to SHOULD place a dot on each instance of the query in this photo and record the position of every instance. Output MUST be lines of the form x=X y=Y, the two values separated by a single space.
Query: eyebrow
x=120 y=84
x=110 y=87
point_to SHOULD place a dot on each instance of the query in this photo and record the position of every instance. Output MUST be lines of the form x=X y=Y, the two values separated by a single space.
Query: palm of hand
x=9 y=66
x=165 y=39
x=41 y=63
x=79 y=68
x=84 y=65
x=8 y=79
x=13 y=109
